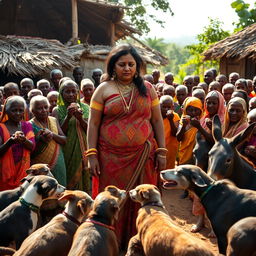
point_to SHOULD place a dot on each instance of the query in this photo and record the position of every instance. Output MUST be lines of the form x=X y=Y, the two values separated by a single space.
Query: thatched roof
x=52 y=19
x=100 y=52
x=32 y=56
x=239 y=45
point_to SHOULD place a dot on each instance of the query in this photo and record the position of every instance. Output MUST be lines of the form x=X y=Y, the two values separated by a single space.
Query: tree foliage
x=139 y=11
x=246 y=15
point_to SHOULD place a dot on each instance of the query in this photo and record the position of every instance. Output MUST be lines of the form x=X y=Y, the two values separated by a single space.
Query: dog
x=241 y=238
x=156 y=231
x=20 y=218
x=56 y=237
x=224 y=203
x=96 y=235
x=9 y=196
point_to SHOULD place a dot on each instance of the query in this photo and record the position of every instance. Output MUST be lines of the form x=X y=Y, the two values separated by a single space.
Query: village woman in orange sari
x=16 y=143
x=126 y=145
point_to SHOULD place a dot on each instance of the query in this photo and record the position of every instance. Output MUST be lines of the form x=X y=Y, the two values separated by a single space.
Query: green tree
x=211 y=34
x=139 y=11
x=157 y=44
x=246 y=15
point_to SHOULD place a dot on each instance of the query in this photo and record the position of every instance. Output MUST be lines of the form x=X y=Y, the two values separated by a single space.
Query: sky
x=190 y=16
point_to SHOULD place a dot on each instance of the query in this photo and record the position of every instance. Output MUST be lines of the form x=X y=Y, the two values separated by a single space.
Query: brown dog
x=156 y=231
x=9 y=196
x=241 y=238
x=56 y=237
x=96 y=236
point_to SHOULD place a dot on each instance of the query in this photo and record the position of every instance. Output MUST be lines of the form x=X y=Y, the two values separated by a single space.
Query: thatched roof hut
x=25 y=56
x=237 y=53
x=99 y=22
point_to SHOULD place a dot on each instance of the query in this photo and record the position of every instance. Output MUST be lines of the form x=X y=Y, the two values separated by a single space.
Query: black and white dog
x=9 y=196
x=20 y=218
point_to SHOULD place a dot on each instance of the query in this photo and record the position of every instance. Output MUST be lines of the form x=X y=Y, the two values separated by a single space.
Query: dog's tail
x=6 y=251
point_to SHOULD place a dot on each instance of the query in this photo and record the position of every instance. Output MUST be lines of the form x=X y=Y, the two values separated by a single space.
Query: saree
x=78 y=176
x=188 y=142
x=123 y=136
x=49 y=153
x=15 y=162
x=171 y=142
x=230 y=131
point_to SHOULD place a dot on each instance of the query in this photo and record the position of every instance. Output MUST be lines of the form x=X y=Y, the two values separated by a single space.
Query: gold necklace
x=40 y=124
x=126 y=106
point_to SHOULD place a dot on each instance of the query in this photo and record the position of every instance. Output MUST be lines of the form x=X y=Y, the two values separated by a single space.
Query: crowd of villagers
x=118 y=127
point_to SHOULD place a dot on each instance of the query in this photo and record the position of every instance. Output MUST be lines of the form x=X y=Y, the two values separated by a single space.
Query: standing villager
x=73 y=115
x=125 y=134
x=16 y=143
x=49 y=139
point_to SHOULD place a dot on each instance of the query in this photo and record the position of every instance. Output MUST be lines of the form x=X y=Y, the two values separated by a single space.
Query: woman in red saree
x=16 y=143
x=125 y=131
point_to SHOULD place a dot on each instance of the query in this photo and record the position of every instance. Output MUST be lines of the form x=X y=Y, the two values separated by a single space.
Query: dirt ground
x=180 y=211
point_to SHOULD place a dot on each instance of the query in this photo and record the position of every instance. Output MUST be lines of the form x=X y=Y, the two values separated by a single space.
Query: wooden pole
x=74 y=19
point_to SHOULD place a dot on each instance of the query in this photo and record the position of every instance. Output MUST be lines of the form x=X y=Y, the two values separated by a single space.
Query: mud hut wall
x=229 y=65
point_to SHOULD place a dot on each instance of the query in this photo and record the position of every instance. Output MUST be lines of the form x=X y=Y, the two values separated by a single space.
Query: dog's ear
x=198 y=180
x=144 y=194
x=112 y=190
x=81 y=205
x=68 y=195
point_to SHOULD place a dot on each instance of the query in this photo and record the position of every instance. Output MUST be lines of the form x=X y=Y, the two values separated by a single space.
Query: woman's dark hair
x=244 y=96
x=113 y=57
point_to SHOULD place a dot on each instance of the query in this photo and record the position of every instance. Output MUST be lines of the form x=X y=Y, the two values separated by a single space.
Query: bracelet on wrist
x=161 y=156
x=162 y=150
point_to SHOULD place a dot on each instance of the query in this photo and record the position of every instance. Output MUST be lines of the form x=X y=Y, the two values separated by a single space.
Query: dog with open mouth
x=157 y=233
x=19 y=219
x=224 y=203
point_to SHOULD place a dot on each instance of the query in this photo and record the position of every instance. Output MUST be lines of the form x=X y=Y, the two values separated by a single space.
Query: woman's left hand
x=78 y=114
x=160 y=162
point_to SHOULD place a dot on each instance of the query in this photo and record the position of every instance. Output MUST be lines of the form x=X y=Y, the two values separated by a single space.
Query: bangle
x=91 y=150
x=91 y=153
x=161 y=156
x=161 y=150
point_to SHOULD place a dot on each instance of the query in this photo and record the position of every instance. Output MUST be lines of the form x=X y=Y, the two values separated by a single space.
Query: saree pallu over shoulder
x=11 y=173
x=50 y=153
x=186 y=146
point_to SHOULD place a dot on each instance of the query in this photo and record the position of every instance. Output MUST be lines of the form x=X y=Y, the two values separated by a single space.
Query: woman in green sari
x=49 y=139
x=72 y=116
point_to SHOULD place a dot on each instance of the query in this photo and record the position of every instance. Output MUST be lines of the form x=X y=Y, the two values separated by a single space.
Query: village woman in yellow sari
x=186 y=133
x=72 y=115
x=49 y=139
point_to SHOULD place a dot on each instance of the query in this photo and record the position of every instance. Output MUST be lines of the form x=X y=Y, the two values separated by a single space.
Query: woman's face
x=41 y=110
x=193 y=111
x=235 y=112
x=16 y=112
x=212 y=105
x=125 y=68
x=70 y=93
x=88 y=90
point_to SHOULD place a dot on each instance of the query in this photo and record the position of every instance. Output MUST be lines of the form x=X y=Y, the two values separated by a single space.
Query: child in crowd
x=252 y=103
x=87 y=88
x=200 y=94
x=188 y=81
x=169 y=90
x=159 y=89
x=227 y=91
x=214 y=85
x=171 y=121
x=222 y=80
x=181 y=92
x=52 y=98
x=250 y=88
x=241 y=94
x=203 y=86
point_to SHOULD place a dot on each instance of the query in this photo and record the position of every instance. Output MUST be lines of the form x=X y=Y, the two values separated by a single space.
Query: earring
x=136 y=74
x=114 y=74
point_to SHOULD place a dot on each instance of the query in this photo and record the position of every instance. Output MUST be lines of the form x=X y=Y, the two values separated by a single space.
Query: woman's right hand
x=71 y=110
x=94 y=165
